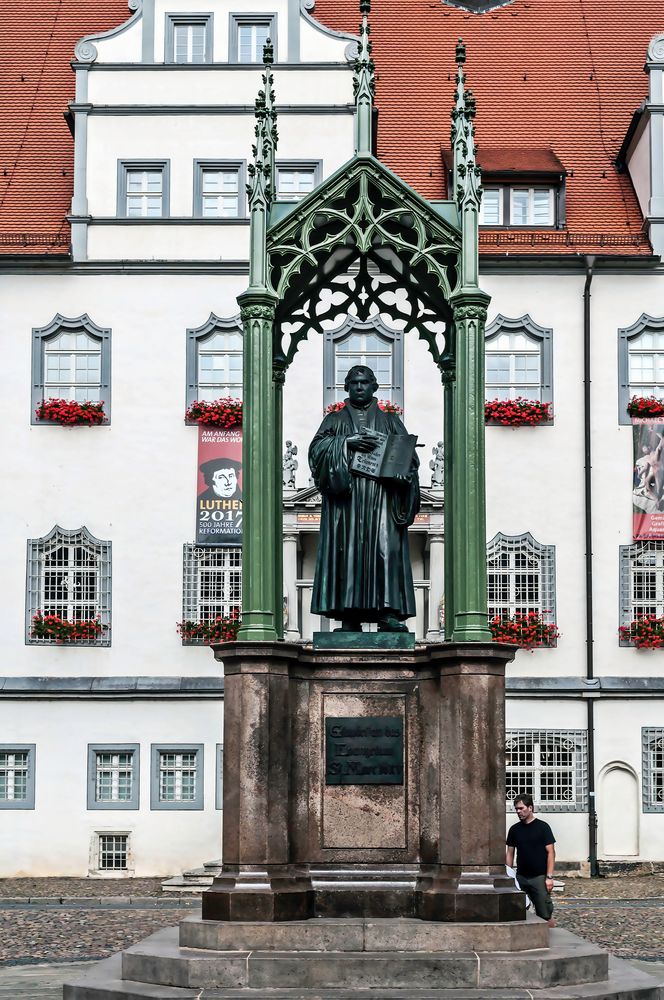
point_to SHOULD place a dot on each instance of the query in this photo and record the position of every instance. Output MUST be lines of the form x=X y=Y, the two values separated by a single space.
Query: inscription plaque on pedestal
x=364 y=750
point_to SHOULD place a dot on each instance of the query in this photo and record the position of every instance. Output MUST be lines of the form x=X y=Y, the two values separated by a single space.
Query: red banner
x=648 y=479
x=219 y=491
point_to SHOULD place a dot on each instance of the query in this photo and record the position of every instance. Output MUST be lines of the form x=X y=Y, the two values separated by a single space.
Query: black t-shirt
x=530 y=840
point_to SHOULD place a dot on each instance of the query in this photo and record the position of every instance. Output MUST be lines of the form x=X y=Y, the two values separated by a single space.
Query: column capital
x=470 y=304
x=257 y=305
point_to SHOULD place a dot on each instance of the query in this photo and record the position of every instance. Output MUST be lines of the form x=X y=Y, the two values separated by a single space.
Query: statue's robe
x=363 y=563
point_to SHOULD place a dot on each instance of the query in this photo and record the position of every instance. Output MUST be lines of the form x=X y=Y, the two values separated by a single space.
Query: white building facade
x=113 y=744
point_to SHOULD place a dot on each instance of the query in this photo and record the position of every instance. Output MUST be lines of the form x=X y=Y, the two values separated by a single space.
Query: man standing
x=535 y=856
x=363 y=571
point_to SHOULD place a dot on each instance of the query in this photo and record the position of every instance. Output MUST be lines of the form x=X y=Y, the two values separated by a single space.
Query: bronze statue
x=363 y=571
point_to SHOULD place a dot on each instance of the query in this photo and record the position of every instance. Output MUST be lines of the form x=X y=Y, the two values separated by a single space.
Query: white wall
x=55 y=837
x=132 y=482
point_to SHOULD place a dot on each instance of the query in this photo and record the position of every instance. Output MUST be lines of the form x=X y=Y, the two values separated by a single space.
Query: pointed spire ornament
x=466 y=188
x=261 y=187
x=364 y=85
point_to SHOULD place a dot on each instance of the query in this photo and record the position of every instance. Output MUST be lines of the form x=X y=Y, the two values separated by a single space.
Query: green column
x=468 y=478
x=448 y=499
x=279 y=377
x=259 y=544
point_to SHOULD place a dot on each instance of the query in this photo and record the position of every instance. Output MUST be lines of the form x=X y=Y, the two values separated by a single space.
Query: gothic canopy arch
x=363 y=243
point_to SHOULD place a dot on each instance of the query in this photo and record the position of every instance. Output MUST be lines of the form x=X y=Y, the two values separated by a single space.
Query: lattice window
x=143 y=189
x=295 y=183
x=220 y=365
x=520 y=577
x=189 y=38
x=363 y=349
x=251 y=41
x=69 y=575
x=641 y=581
x=512 y=205
x=113 y=852
x=372 y=344
x=550 y=765
x=640 y=362
x=177 y=776
x=17 y=775
x=14 y=766
x=248 y=34
x=71 y=360
x=214 y=360
x=518 y=360
x=220 y=193
x=653 y=769
x=646 y=364
x=212 y=584
x=113 y=776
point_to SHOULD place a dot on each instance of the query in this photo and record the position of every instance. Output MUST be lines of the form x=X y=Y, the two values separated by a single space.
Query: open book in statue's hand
x=392 y=458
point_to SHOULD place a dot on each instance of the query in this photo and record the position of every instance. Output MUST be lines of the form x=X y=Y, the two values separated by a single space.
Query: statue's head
x=360 y=384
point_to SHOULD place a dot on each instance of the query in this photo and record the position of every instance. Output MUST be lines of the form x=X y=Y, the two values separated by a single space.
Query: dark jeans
x=535 y=888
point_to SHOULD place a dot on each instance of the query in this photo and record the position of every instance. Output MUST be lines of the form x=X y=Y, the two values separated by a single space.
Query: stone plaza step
x=160 y=959
x=362 y=934
x=307 y=967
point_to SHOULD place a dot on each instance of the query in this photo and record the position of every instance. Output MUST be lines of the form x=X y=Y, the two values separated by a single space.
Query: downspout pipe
x=587 y=475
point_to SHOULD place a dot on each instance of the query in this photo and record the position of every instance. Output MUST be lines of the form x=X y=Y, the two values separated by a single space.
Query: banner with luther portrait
x=219 y=490
x=648 y=478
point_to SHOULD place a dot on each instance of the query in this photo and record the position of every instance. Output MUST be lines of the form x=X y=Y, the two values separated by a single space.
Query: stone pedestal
x=423 y=837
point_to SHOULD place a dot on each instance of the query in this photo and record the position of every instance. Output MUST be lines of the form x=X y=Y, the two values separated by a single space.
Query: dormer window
x=521 y=188
x=507 y=205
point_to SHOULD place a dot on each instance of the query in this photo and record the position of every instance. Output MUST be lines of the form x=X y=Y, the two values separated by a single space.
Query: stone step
x=357 y=934
x=159 y=959
x=102 y=983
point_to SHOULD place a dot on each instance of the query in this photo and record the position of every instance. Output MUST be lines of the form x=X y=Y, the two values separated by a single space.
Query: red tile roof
x=565 y=75
x=521 y=160
x=36 y=148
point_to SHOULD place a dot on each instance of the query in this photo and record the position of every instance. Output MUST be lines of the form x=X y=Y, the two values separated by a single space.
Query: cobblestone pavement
x=641 y=887
x=63 y=887
x=625 y=915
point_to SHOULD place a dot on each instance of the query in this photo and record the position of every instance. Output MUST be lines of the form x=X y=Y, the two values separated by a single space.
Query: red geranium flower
x=223 y=628
x=226 y=412
x=70 y=413
x=517 y=412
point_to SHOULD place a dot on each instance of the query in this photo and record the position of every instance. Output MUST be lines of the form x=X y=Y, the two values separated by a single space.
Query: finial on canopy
x=364 y=85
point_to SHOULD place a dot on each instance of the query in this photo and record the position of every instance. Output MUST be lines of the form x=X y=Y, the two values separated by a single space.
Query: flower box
x=60 y=630
x=644 y=632
x=226 y=412
x=645 y=406
x=221 y=629
x=386 y=405
x=69 y=413
x=527 y=631
x=517 y=412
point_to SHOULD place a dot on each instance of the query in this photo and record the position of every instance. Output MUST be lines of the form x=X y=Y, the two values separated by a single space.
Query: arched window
x=371 y=344
x=640 y=362
x=653 y=769
x=518 y=360
x=71 y=359
x=520 y=577
x=641 y=581
x=214 y=360
x=69 y=576
x=551 y=765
